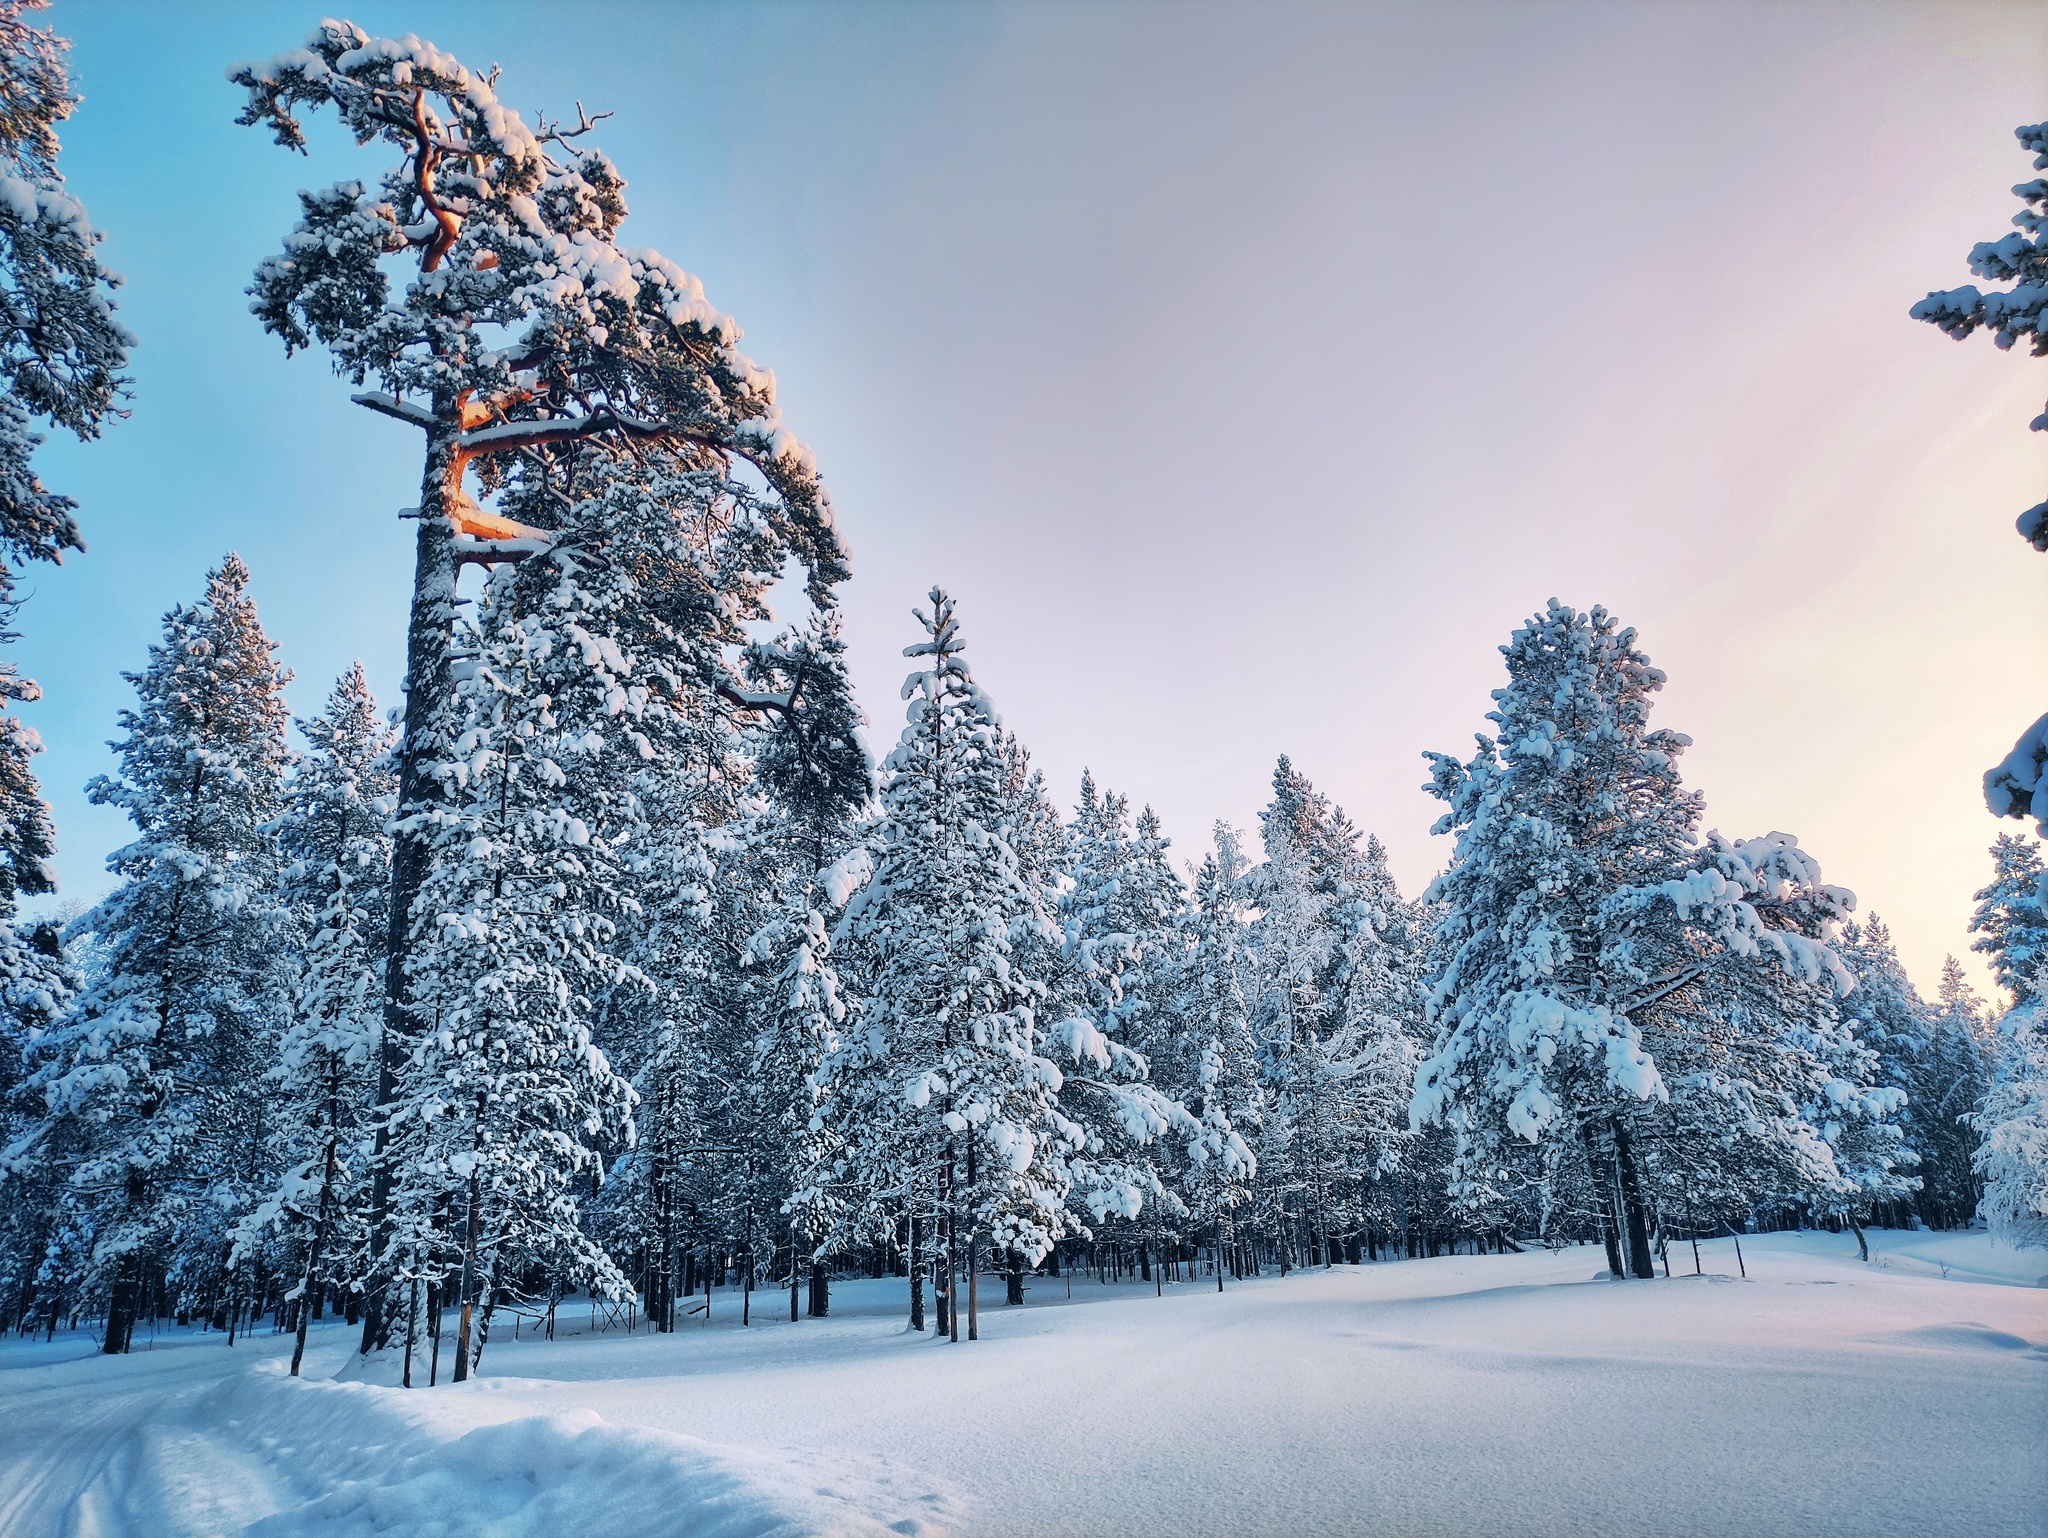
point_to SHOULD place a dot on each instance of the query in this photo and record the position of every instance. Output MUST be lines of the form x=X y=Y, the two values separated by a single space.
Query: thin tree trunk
x=468 y=1273
x=412 y=1322
x=313 y=1247
x=974 y=1287
x=434 y=1290
x=916 y=1268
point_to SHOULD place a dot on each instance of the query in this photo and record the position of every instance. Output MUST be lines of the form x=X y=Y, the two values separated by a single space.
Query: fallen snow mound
x=569 y=1474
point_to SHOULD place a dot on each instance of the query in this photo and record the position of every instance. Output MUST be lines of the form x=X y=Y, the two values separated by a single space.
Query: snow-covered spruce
x=504 y=1099
x=2011 y=918
x=335 y=850
x=153 y=1083
x=946 y=1097
x=1602 y=983
x=2012 y=1161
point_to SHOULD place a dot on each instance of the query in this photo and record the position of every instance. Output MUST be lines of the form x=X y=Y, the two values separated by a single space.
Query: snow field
x=1464 y=1395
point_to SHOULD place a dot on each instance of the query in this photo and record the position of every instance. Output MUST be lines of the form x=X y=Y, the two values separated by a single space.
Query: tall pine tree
x=153 y=1084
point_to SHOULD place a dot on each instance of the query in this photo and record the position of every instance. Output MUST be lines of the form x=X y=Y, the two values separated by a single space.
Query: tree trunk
x=468 y=1278
x=916 y=1271
x=427 y=640
x=1014 y=1293
x=412 y=1324
x=952 y=1253
x=1641 y=1261
x=974 y=1287
x=121 y=1306
x=821 y=1291
x=1603 y=1196
x=313 y=1256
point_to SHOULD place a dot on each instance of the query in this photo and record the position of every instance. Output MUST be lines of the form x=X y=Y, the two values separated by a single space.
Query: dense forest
x=615 y=965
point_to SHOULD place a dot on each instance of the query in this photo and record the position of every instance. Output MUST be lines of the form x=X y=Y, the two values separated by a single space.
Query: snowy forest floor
x=1464 y=1395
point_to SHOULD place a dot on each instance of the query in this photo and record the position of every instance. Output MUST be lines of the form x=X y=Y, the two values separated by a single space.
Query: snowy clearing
x=1457 y=1396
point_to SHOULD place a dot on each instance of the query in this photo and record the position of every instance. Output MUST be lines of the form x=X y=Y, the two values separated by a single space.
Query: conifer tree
x=2012 y=1161
x=2018 y=785
x=336 y=854
x=152 y=1084
x=506 y=1099
x=38 y=986
x=1222 y=1087
x=1117 y=904
x=2011 y=920
x=946 y=1095
x=61 y=357
x=479 y=281
x=1578 y=913
x=1957 y=1078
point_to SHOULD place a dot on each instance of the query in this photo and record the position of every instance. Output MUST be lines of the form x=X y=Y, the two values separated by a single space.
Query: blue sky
x=1247 y=373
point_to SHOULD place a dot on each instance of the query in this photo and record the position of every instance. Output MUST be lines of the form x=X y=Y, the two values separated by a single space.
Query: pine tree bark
x=973 y=1252
x=1603 y=1196
x=1641 y=1261
x=127 y=1290
x=319 y=1239
x=429 y=629
x=468 y=1278
x=821 y=1291
x=952 y=1252
x=121 y=1306
x=916 y=1270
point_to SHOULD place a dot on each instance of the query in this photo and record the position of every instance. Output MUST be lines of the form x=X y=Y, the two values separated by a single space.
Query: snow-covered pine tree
x=945 y=1095
x=2011 y=920
x=61 y=356
x=818 y=777
x=1328 y=1008
x=38 y=984
x=336 y=854
x=1888 y=1016
x=1576 y=908
x=505 y=1100
x=1383 y=972
x=1775 y=1101
x=745 y=748
x=479 y=282
x=1223 y=1087
x=1957 y=1079
x=1118 y=906
x=2012 y=1161
x=939 y=1099
x=2018 y=785
x=152 y=1084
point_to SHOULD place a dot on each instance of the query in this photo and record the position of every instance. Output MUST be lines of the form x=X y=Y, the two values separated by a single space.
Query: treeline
x=615 y=965
x=693 y=997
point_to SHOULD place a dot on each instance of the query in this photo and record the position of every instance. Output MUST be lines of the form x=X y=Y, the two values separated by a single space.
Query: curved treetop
x=522 y=322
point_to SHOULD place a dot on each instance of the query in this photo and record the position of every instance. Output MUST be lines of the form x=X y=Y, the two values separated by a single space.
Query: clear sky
x=1247 y=373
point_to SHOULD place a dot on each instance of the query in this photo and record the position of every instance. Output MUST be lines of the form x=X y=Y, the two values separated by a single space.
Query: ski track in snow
x=1464 y=1395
